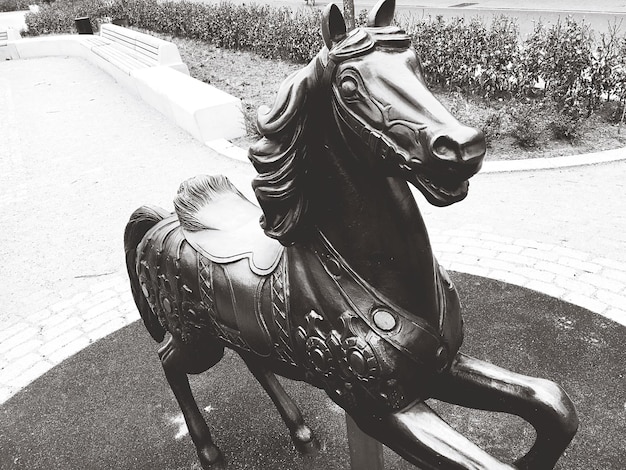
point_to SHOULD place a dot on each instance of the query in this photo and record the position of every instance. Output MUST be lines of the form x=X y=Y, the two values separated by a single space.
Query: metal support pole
x=366 y=453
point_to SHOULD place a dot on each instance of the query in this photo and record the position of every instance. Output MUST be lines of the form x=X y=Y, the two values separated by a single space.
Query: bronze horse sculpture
x=338 y=285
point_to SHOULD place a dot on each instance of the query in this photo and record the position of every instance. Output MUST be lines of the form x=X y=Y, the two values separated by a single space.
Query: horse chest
x=358 y=345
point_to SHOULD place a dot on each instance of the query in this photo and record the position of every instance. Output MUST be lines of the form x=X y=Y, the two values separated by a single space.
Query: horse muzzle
x=458 y=145
x=450 y=156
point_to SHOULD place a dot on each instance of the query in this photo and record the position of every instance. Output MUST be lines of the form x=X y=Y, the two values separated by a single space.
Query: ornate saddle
x=239 y=271
x=221 y=224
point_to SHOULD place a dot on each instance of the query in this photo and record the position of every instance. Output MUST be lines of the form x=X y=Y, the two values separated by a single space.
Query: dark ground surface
x=109 y=407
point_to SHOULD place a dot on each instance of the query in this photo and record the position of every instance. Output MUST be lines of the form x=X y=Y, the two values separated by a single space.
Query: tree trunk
x=348 y=13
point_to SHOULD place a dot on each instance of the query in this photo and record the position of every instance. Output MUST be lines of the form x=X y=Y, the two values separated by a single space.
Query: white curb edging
x=530 y=164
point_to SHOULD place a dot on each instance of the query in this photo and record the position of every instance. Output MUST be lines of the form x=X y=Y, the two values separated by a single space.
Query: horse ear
x=333 y=25
x=382 y=13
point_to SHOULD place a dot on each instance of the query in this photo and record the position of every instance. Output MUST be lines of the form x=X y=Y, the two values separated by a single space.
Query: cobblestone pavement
x=78 y=154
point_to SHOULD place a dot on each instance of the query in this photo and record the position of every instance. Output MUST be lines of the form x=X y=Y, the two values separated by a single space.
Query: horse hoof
x=305 y=441
x=211 y=458
x=523 y=463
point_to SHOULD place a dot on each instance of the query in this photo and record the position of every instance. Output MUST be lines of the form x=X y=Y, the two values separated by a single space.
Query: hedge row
x=276 y=33
x=564 y=61
x=14 y=5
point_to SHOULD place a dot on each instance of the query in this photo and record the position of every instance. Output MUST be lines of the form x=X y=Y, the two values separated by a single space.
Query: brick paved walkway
x=78 y=155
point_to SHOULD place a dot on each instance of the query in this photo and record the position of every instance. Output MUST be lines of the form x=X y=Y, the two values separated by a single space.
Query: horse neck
x=375 y=224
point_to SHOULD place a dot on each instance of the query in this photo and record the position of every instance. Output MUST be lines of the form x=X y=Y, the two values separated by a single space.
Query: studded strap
x=406 y=332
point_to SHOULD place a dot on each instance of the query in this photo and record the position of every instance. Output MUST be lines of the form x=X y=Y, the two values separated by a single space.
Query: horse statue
x=337 y=285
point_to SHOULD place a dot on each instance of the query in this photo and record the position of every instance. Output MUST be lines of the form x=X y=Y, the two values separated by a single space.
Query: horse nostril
x=460 y=144
x=445 y=148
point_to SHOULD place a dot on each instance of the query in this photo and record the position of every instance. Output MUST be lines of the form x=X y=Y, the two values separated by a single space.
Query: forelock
x=360 y=41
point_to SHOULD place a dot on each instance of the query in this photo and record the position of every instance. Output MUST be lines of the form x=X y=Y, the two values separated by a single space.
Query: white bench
x=204 y=111
x=131 y=50
x=7 y=34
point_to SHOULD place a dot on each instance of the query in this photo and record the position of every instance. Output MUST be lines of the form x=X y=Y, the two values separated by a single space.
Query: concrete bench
x=204 y=111
x=131 y=50
x=7 y=34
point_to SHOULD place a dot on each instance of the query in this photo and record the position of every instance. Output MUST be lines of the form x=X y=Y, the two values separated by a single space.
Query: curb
x=531 y=164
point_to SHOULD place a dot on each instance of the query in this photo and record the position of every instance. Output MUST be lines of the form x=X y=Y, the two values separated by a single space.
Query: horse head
x=379 y=94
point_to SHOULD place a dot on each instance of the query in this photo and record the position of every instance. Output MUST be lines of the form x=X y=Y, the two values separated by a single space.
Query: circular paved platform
x=109 y=407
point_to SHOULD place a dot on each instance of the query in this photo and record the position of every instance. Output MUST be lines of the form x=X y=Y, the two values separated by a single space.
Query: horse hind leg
x=176 y=365
x=301 y=435
x=545 y=405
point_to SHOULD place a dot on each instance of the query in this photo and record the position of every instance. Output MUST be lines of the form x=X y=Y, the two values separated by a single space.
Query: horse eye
x=348 y=87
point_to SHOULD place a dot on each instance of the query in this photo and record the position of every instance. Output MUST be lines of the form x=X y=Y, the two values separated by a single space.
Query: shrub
x=492 y=127
x=448 y=50
x=58 y=17
x=361 y=19
x=503 y=67
x=566 y=128
x=14 y=5
x=526 y=129
x=612 y=111
x=606 y=76
x=467 y=56
x=276 y=33
x=561 y=56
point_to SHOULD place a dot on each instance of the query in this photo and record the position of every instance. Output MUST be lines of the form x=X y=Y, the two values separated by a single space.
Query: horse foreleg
x=176 y=364
x=545 y=405
x=302 y=436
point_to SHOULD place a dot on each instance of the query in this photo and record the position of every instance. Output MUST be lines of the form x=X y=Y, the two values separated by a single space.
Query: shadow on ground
x=109 y=406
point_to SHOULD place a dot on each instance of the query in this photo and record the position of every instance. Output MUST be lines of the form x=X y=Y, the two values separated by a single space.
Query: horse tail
x=142 y=220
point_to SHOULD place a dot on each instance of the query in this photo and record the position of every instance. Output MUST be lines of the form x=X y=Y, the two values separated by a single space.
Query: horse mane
x=195 y=193
x=280 y=156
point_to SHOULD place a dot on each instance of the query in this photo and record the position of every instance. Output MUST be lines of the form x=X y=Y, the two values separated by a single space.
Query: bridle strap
x=379 y=144
x=376 y=141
